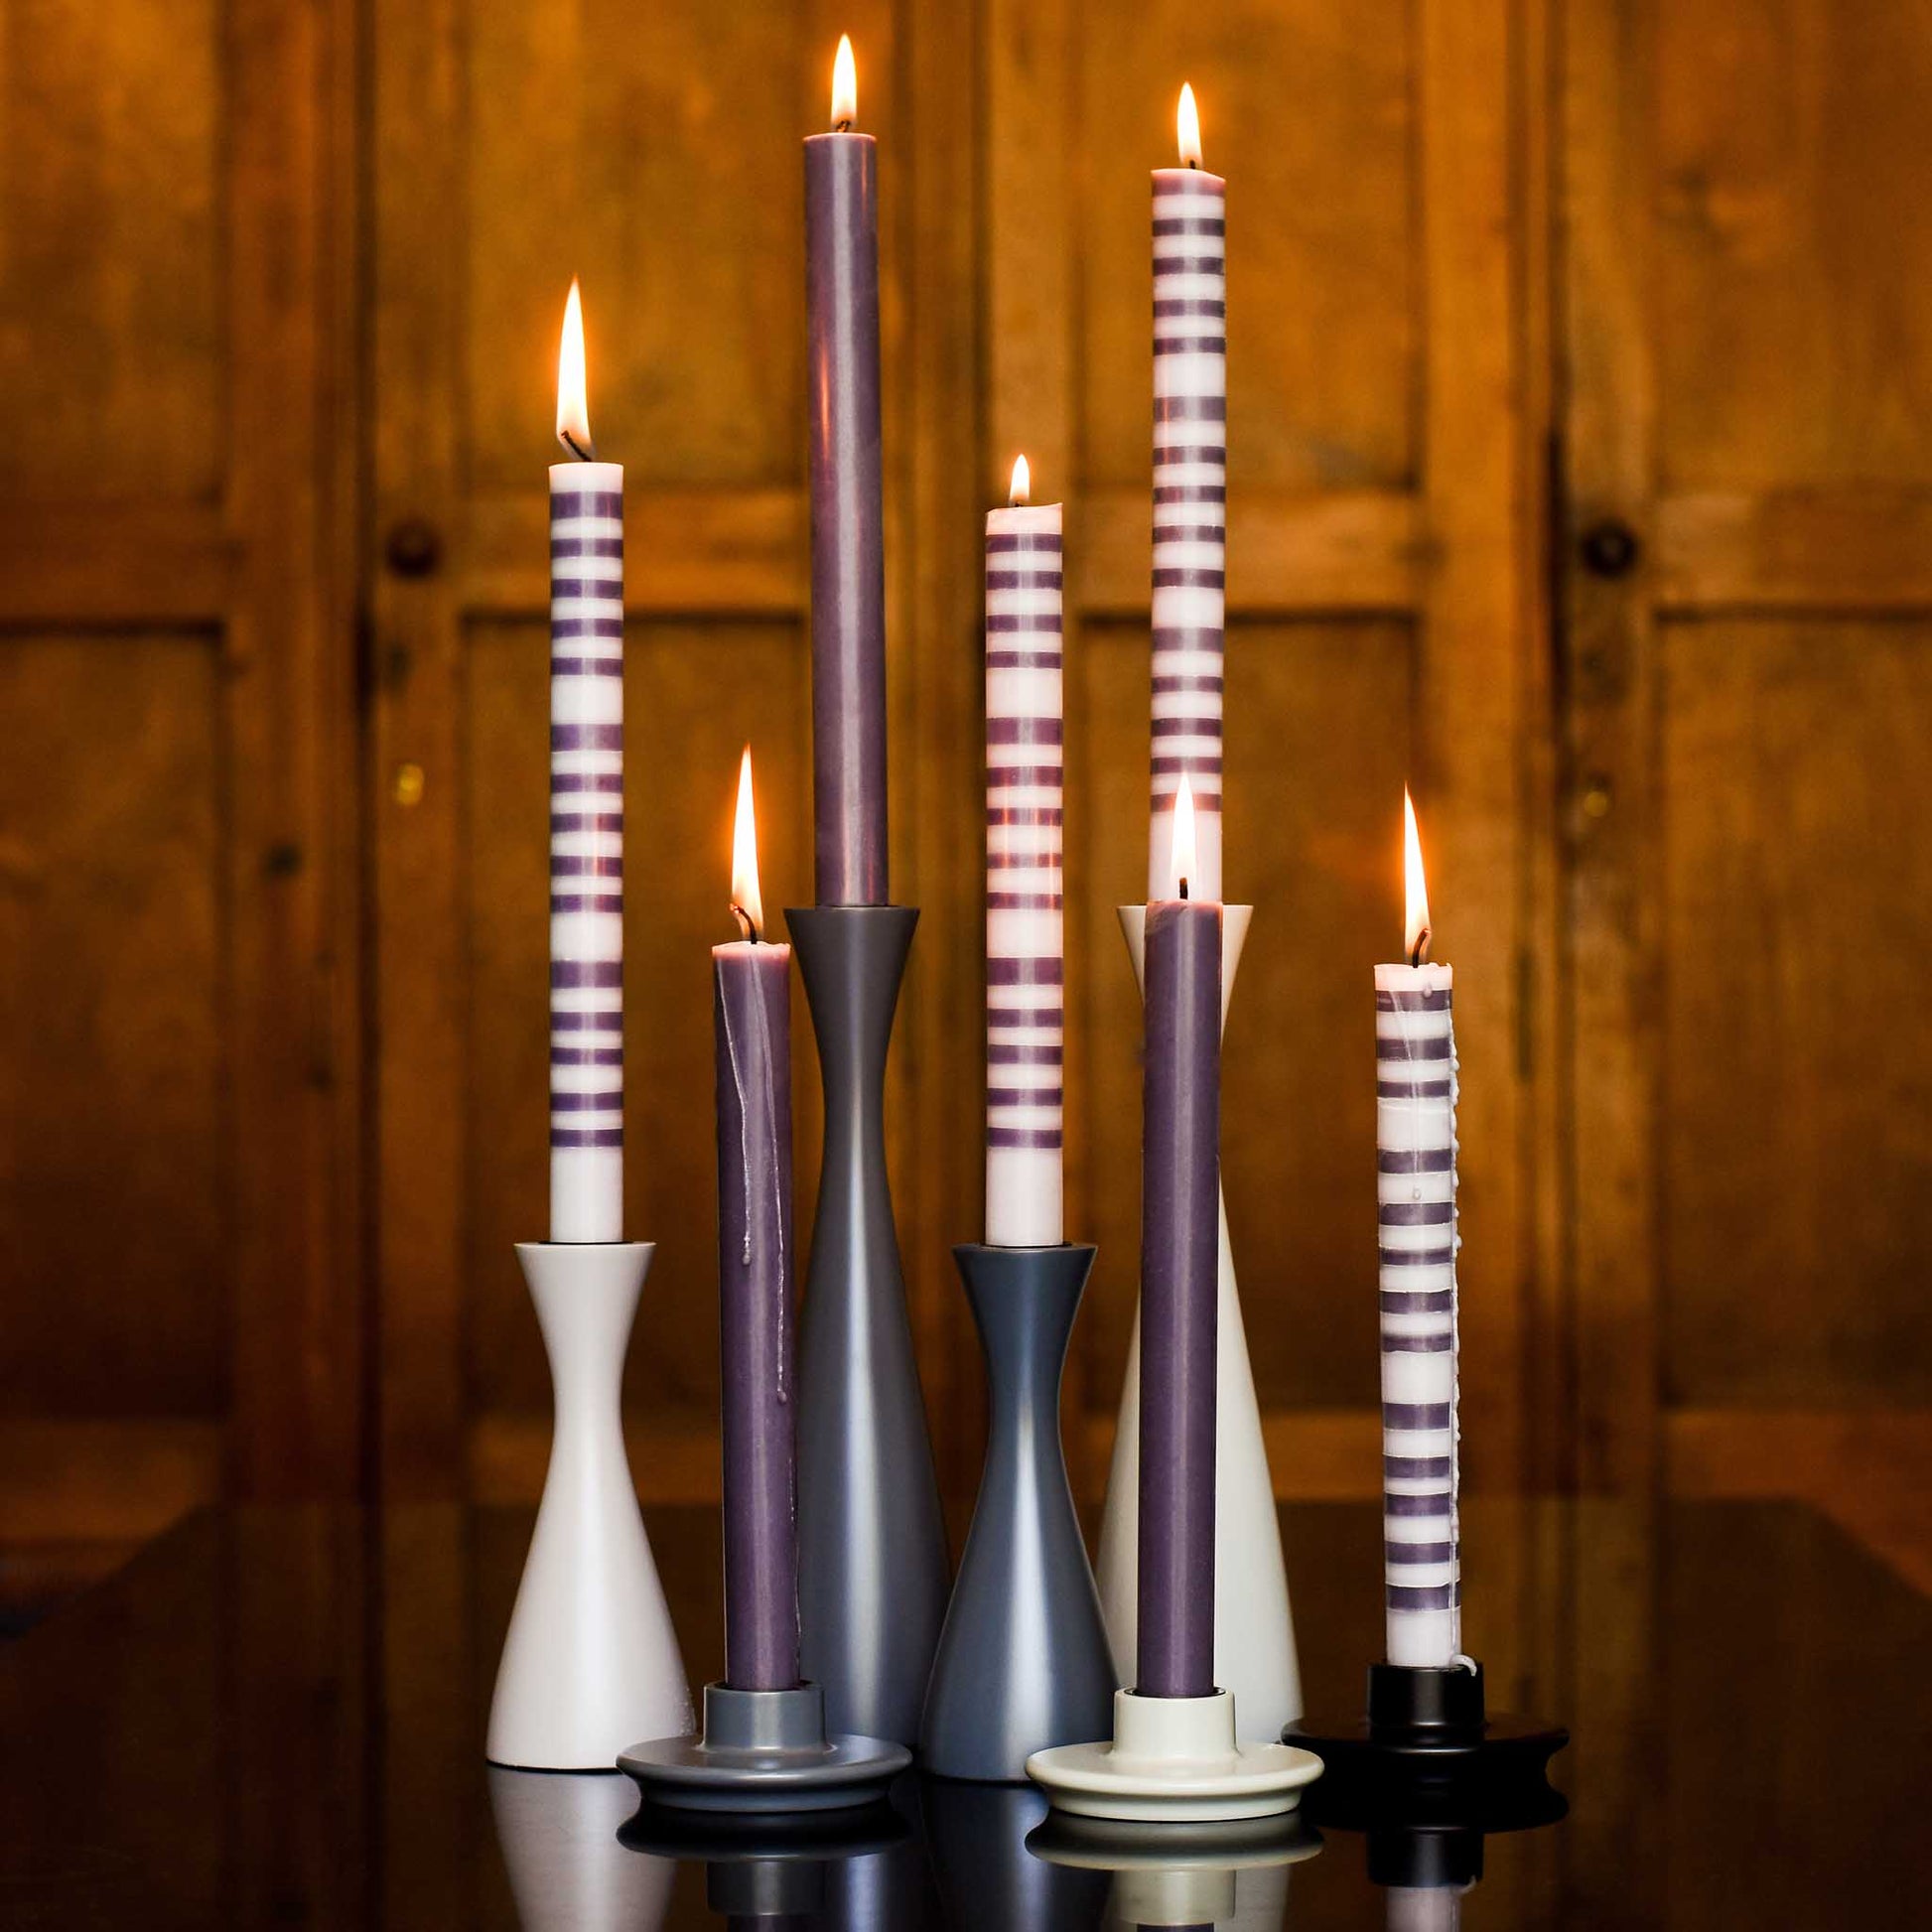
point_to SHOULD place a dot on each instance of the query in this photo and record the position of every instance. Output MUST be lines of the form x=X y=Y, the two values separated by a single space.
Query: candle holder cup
x=873 y=1573
x=1254 y=1626
x=1427 y=1745
x=1173 y=1761
x=1023 y=1662
x=765 y=1752
x=591 y=1658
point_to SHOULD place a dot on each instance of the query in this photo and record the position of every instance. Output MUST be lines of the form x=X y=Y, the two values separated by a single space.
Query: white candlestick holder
x=1254 y=1626
x=590 y=1660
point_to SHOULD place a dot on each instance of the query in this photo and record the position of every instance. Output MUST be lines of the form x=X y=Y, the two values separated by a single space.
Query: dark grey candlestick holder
x=872 y=1544
x=1024 y=1661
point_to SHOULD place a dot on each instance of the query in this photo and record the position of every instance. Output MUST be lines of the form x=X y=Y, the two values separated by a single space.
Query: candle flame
x=747 y=906
x=845 y=86
x=1187 y=127
x=1415 y=929
x=573 y=395
x=1021 y=490
x=1184 y=860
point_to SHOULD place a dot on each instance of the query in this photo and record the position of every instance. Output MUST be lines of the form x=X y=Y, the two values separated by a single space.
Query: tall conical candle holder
x=590 y=1660
x=1254 y=1628
x=1022 y=1663
x=872 y=1546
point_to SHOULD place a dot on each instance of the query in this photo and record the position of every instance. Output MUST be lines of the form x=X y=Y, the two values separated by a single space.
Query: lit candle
x=848 y=545
x=1189 y=502
x=1025 y=1013
x=751 y=1022
x=1414 y=1159
x=586 y=818
x=1181 y=1160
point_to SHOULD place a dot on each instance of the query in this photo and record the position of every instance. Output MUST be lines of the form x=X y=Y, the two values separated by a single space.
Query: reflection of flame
x=1186 y=122
x=573 y=394
x=1414 y=925
x=1184 y=857
x=1021 y=490
x=746 y=903
x=845 y=86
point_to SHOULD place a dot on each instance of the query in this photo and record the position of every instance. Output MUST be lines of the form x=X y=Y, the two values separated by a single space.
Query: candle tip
x=748 y=907
x=1020 y=492
x=1187 y=127
x=845 y=86
x=573 y=390
x=1415 y=932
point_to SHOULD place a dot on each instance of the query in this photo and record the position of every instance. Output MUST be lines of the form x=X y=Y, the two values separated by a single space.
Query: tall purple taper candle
x=1181 y=1164
x=848 y=542
x=752 y=1016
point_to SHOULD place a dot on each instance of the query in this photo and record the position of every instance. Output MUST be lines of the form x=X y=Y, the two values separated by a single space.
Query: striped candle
x=1025 y=1017
x=586 y=826
x=1414 y=1190
x=1189 y=506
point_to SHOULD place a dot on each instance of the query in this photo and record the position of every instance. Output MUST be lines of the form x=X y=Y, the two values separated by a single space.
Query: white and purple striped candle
x=1025 y=793
x=585 y=819
x=1415 y=1189
x=1189 y=506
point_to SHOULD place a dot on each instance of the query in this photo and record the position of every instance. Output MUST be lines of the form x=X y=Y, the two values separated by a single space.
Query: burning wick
x=747 y=928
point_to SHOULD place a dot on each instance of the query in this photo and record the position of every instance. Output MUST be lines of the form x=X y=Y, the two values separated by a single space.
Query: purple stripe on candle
x=585 y=547
x=1018 y=1017
x=1438 y=1048
x=1418 y=1345
x=586 y=902
x=585 y=503
x=1023 y=580
x=1208 y=225
x=1445 y=1596
x=1434 y=1502
x=1171 y=306
x=1025 y=814
x=586 y=667
x=1025 y=902
x=603 y=1020
x=1409 y=1301
x=586 y=822
x=1164 y=532
x=1175 y=686
x=1167 y=267
x=1422 y=1160
x=586 y=1103
x=998 y=1055
x=1044 y=541
x=1191 y=345
x=1411 y=1089
x=1429 y=1000
x=1026 y=972
x=1418 y=1551
x=587 y=1056
x=1416 y=1213
x=1045 y=622
x=999 y=776
x=1035 y=1137
x=567 y=974
x=1416 y=1415
x=1415 y=1468
x=1208 y=726
x=1169 y=455
x=587 y=1137
x=567 y=628
x=1023 y=660
x=606 y=590
x=588 y=782
x=1022 y=861
x=1191 y=493
x=1024 y=1096
x=601 y=864
x=587 y=738
x=1190 y=580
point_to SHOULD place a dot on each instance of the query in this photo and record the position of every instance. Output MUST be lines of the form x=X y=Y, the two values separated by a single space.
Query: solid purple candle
x=753 y=1021
x=1180 y=1257
x=848 y=545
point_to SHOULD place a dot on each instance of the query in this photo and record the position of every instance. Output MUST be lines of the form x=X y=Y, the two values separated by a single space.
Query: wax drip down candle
x=1414 y=1159
x=586 y=818
x=1025 y=1014
x=1179 y=1261
x=848 y=518
x=751 y=1022
x=1189 y=503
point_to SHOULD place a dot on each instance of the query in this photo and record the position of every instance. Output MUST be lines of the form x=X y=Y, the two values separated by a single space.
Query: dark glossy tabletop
x=275 y=1718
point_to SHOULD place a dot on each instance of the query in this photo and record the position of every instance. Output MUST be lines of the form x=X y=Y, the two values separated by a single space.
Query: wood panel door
x=178 y=1229
x=655 y=154
x=1747 y=447
x=1383 y=609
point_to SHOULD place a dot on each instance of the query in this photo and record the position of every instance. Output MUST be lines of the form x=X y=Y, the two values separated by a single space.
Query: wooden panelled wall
x=1582 y=476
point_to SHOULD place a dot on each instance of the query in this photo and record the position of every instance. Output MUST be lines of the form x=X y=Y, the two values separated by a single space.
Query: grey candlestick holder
x=872 y=1544
x=1024 y=1662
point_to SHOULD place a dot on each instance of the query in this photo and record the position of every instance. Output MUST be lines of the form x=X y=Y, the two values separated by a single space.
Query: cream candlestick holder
x=873 y=1573
x=591 y=1659
x=1254 y=1627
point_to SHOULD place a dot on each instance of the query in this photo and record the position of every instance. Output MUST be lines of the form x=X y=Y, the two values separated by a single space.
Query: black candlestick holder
x=1427 y=1741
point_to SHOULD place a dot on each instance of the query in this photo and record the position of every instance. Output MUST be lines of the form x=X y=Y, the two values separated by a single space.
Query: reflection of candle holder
x=1174 y=1760
x=872 y=1544
x=567 y=1871
x=1023 y=1662
x=1427 y=1737
x=979 y=1836
x=1254 y=1631
x=765 y=1752
x=591 y=1659
x=1229 y=1874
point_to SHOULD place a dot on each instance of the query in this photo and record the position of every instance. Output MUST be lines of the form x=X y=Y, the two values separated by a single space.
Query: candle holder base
x=1426 y=1743
x=1023 y=1662
x=765 y=1752
x=591 y=1657
x=1173 y=1761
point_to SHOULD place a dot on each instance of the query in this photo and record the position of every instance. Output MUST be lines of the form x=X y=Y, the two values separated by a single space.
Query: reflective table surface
x=275 y=1718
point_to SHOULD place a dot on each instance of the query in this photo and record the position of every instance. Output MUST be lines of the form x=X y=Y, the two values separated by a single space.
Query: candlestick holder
x=765 y=1752
x=779 y=1868
x=591 y=1659
x=1023 y=1662
x=1426 y=1740
x=1173 y=1761
x=872 y=1546
x=1254 y=1626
